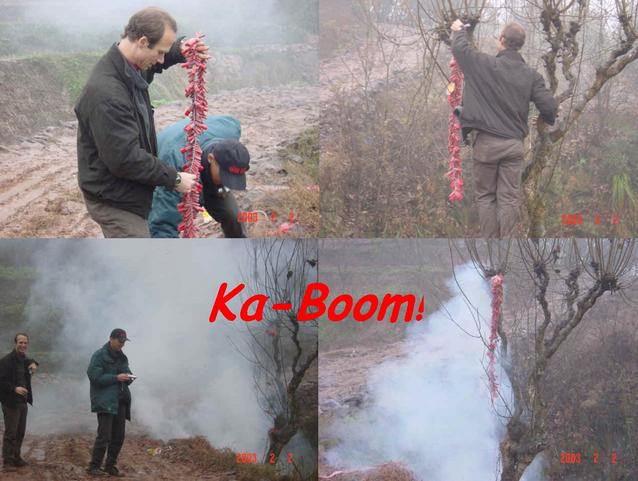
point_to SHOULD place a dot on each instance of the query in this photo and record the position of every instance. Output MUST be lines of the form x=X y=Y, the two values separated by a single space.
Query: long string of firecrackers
x=196 y=90
x=497 y=301
x=455 y=174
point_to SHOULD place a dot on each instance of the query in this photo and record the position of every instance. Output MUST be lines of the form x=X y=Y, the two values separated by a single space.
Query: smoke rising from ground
x=431 y=409
x=192 y=381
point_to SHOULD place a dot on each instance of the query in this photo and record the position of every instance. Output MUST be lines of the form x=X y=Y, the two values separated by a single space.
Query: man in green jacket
x=110 y=378
x=225 y=161
x=118 y=166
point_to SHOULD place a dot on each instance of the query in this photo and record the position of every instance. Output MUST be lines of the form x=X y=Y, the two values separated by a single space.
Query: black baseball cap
x=234 y=161
x=119 y=334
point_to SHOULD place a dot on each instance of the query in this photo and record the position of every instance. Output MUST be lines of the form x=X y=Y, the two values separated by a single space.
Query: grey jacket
x=498 y=90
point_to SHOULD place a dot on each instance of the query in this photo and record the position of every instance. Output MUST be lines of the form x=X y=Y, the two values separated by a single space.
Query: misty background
x=76 y=25
x=193 y=378
x=433 y=404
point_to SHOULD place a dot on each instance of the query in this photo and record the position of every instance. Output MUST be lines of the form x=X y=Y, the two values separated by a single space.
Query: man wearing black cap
x=16 y=370
x=110 y=377
x=225 y=161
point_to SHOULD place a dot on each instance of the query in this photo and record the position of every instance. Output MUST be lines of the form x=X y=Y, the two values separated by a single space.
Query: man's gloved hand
x=186 y=184
x=22 y=391
x=457 y=26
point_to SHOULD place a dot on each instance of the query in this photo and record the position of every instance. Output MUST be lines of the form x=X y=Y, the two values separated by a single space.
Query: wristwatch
x=178 y=180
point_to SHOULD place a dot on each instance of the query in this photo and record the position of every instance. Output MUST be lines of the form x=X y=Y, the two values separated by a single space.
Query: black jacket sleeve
x=544 y=100
x=6 y=384
x=116 y=135
x=173 y=57
x=468 y=57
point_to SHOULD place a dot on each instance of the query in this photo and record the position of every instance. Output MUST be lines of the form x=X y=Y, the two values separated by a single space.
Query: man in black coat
x=496 y=97
x=118 y=168
x=16 y=370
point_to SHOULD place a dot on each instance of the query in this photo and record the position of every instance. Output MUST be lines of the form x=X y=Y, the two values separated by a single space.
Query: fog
x=192 y=380
x=225 y=22
x=431 y=409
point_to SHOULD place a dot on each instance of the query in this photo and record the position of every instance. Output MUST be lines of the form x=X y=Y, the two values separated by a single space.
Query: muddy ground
x=39 y=195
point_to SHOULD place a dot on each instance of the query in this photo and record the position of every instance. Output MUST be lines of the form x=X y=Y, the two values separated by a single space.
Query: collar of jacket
x=510 y=53
x=121 y=65
x=111 y=354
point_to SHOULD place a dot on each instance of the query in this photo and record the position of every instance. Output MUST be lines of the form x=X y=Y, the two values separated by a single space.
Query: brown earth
x=66 y=457
x=39 y=196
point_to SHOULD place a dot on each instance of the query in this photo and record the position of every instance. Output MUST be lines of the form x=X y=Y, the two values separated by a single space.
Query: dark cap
x=234 y=161
x=119 y=334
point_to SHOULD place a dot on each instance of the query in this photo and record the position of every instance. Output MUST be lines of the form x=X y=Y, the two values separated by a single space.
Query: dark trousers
x=224 y=209
x=15 y=425
x=110 y=437
x=117 y=222
x=498 y=164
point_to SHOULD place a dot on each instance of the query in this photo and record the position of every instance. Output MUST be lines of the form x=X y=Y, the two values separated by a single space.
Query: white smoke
x=431 y=409
x=192 y=379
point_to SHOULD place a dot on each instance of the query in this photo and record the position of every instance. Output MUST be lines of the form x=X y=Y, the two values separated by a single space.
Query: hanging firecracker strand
x=455 y=174
x=196 y=91
x=497 y=300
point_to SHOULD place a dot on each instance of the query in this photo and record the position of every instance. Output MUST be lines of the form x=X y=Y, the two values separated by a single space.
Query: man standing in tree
x=496 y=97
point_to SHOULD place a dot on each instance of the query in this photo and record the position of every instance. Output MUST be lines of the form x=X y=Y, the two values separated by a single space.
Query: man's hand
x=33 y=367
x=200 y=47
x=22 y=391
x=457 y=26
x=122 y=377
x=186 y=184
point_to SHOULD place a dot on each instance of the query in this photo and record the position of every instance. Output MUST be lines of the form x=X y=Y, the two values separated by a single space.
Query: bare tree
x=567 y=278
x=282 y=348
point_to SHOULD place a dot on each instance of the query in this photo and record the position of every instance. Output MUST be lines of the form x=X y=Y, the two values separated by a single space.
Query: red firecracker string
x=497 y=300
x=455 y=174
x=196 y=91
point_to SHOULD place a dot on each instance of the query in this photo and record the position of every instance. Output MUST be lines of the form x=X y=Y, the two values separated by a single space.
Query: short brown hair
x=150 y=22
x=15 y=339
x=513 y=36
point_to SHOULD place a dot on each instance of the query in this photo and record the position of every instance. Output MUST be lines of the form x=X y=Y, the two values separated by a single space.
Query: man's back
x=498 y=90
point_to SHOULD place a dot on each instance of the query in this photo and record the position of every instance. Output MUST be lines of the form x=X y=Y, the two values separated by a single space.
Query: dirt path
x=39 y=196
x=364 y=66
x=65 y=458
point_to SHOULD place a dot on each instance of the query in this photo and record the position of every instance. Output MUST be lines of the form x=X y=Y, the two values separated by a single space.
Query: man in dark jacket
x=16 y=370
x=118 y=167
x=110 y=377
x=496 y=97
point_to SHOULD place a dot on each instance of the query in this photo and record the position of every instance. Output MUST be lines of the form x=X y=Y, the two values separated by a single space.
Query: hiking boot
x=20 y=463
x=113 y=471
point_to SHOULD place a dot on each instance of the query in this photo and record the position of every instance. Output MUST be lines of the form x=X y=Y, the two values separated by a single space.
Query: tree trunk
x=532 y=177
